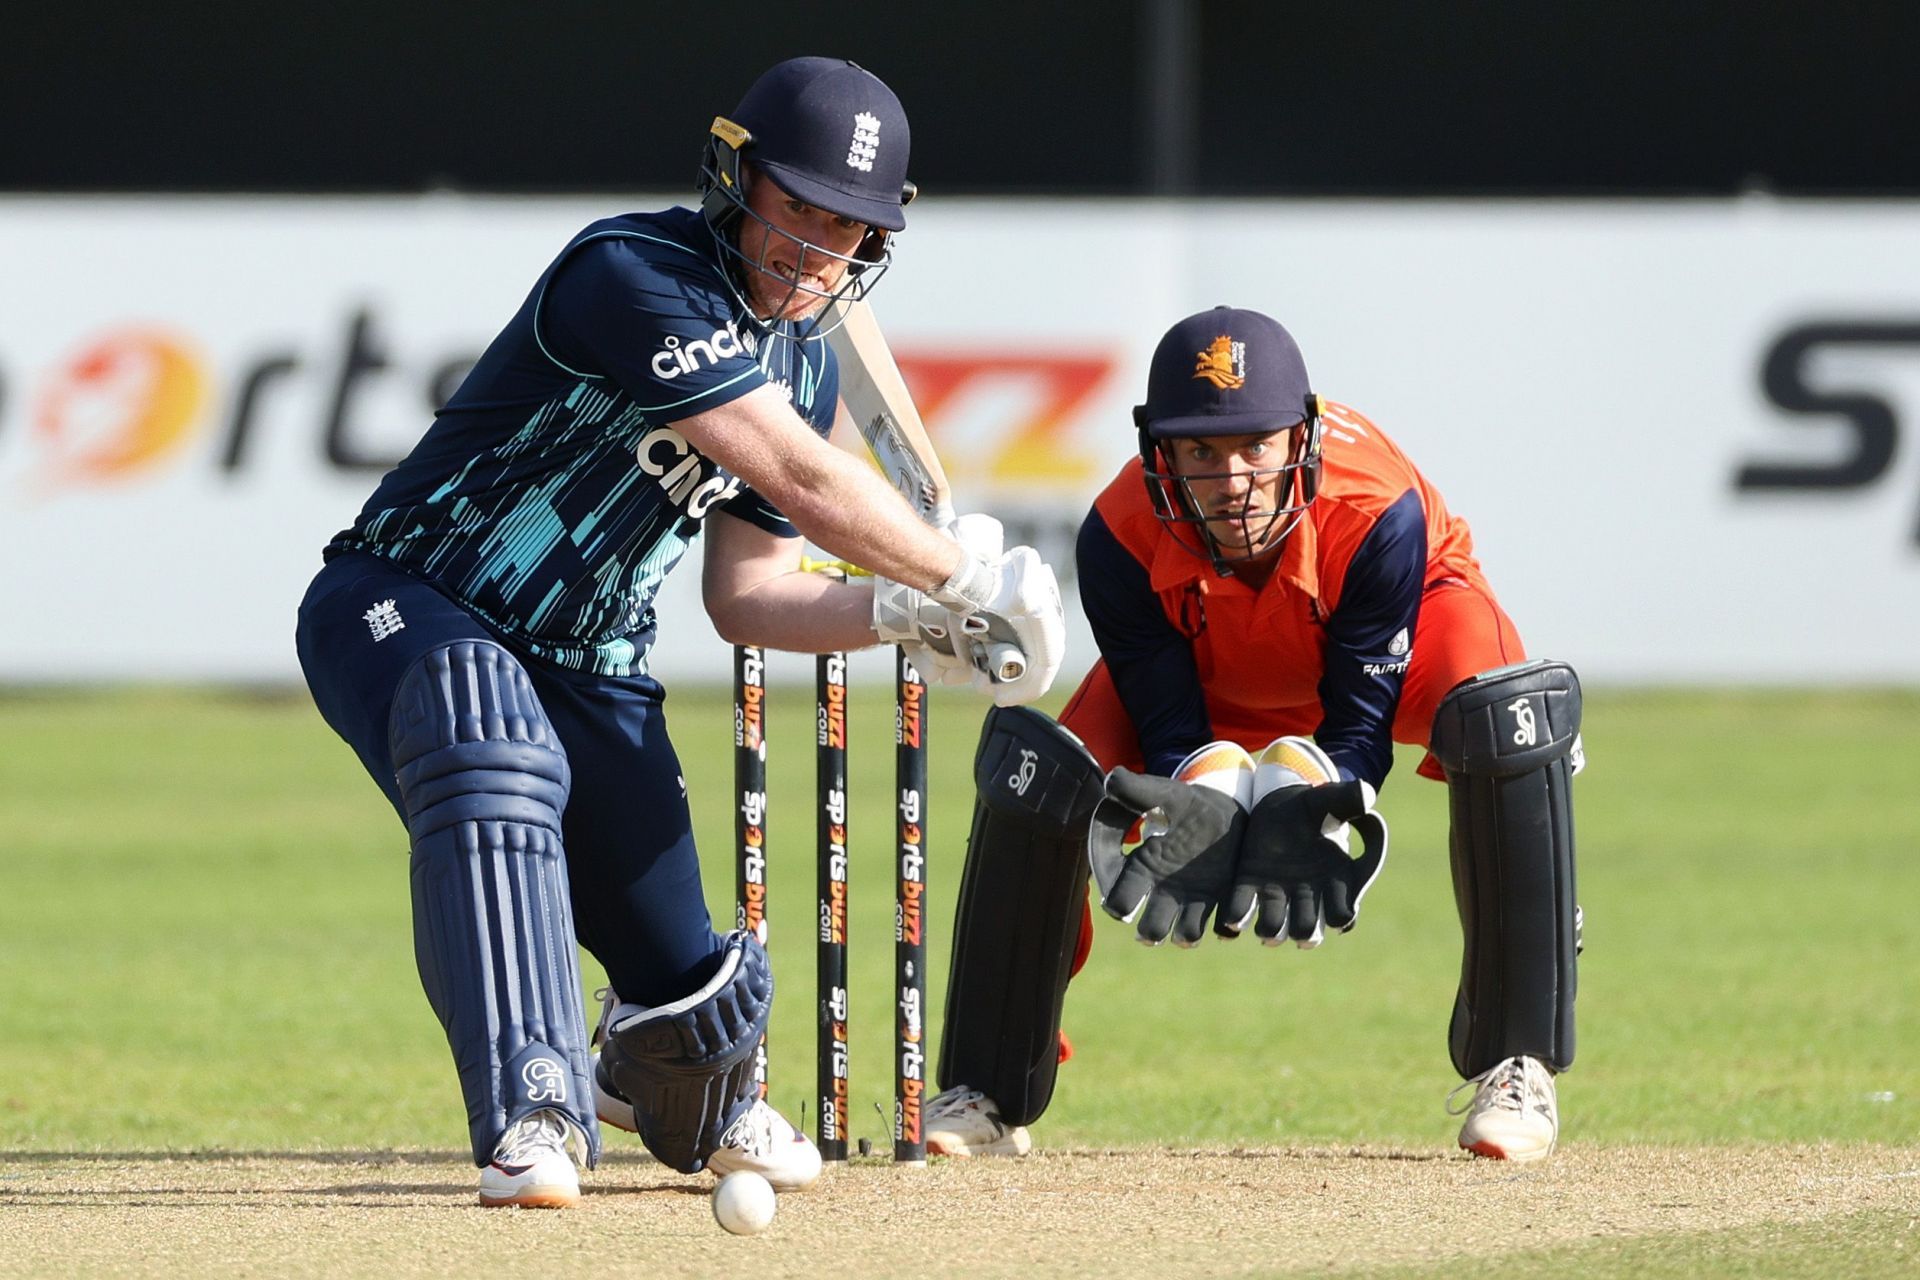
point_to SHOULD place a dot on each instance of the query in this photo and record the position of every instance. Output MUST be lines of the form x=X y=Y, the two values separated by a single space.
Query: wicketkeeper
x=1279 y=596
x=480 y=634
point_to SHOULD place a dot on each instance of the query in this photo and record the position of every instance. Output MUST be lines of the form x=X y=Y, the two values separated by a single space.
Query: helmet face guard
x=1253 y=536
x=723 y=203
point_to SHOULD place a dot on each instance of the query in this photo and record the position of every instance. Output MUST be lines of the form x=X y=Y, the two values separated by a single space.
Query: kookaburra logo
x=1022 y=778
x=545 y=1081
x=692 y=483
x=1524 y=733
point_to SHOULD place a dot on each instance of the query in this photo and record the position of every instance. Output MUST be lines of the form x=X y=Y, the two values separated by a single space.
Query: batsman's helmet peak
x=831 y=133
x=827 y=132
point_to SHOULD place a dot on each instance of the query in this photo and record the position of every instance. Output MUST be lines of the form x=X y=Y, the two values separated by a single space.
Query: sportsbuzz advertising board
x=1683 y=432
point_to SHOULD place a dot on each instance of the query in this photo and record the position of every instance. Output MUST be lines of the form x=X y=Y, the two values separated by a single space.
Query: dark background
x=1330 y=97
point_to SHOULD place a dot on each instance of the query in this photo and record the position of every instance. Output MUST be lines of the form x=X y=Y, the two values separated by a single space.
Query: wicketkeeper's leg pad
x=1507 y=739
x=1017 y=924
x=687 y=1067
x=484 y=780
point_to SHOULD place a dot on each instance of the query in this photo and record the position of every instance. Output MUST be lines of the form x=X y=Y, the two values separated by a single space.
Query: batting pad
x=1018 y=918
x=688 y=1067
x=484 y=780
x=1506 y=739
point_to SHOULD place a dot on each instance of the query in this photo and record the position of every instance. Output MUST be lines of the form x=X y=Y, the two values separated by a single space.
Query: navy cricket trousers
x=635 y=880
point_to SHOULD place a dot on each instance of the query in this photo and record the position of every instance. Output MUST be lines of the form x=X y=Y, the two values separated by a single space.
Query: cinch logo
x=120 y=404
x=685 y=357
x=692 y=483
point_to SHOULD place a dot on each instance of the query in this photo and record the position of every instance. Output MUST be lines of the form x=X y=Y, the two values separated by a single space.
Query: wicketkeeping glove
x=1293 y=874
x=1174 y=879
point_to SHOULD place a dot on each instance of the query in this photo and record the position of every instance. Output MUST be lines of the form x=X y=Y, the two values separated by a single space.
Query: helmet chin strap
x=1177 y=509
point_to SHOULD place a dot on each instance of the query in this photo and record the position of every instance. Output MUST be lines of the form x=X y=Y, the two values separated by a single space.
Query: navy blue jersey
x=551 y=496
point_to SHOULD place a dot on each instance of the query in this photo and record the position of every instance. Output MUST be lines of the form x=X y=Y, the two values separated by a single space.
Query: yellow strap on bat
x=843 y=567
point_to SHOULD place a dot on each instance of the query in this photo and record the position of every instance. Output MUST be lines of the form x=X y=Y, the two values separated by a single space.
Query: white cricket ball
x=743 y=1203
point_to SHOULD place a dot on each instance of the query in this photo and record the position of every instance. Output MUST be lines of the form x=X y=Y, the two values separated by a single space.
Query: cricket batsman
x=480 y=634
x=1279 y=596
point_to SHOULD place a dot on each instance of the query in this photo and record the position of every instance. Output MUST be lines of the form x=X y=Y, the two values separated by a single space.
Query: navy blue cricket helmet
x=1229 y=372
x=828 y=132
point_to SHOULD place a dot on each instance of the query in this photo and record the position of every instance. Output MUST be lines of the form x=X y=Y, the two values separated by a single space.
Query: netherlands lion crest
x=1223 y=363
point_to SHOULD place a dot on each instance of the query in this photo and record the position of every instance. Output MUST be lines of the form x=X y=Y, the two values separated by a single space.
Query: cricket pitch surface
x=1169 y=1213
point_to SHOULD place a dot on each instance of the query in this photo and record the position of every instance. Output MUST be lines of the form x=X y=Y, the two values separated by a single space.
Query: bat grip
x=1004 y=662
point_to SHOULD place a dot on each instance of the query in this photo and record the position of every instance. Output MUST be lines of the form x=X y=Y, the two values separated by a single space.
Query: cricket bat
x=881 y=405
x=877 y=397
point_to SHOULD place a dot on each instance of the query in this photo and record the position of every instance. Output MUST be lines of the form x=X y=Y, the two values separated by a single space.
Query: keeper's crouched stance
x=1279 y=596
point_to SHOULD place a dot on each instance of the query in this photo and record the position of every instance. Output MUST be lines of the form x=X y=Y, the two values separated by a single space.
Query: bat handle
x=1005 y=663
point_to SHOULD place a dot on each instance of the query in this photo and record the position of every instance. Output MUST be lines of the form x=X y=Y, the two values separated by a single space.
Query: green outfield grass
x=204 y=938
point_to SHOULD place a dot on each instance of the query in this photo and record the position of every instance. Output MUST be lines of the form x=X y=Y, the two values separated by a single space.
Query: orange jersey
x=1328 y=646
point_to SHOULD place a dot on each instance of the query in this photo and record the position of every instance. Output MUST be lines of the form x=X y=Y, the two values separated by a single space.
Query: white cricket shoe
x=535 y=1164
x=763 y=1142
x=966 y=1122
x=1514 y=1114
x=760 y=1140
